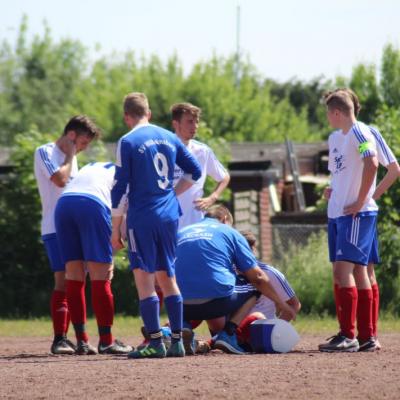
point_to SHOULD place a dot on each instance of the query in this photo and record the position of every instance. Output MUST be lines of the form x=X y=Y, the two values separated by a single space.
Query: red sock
x=364 y=314
x=336 y=292
x=348 y=302
x=103 y=307
x=243 y=330
x=59 y=312
x=77 y=307
x=160 y=295
x=375 y=309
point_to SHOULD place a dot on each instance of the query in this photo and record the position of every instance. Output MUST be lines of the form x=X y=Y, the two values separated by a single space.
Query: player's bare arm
x=116 y=239
x=393 y=173
x=182 y=186
x=61 y=177
x=368 y=176
x=261 y=282
x=206 y=202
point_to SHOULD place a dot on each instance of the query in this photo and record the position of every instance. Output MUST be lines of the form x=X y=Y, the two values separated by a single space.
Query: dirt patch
x=28 y=371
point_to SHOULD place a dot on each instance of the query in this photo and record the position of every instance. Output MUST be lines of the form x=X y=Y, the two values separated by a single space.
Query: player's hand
x=205 y=202
x=116 y=241
x=68 y=146
x=327 y=193
x=286 y=312
x=353 y=209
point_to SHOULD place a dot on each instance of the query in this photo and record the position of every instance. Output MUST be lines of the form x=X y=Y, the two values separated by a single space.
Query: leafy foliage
x=43 y=83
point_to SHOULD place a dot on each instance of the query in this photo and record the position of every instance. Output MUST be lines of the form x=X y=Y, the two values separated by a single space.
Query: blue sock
x=174 y=307
x=149 y=310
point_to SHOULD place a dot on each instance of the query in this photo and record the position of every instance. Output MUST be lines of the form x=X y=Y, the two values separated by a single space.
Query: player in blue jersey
x=83 y=226
x=146 y=157
x=206 y=255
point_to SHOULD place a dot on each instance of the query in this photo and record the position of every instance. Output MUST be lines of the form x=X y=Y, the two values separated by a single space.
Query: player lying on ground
x=265 y=307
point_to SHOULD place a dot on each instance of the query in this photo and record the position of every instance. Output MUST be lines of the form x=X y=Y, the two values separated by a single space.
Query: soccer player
x=146 y=157
x=387 y=160
x=206 y=255
x=55 y=164
x=265 y=307
x=352 y=214
x=185 y=121
x=83 y=226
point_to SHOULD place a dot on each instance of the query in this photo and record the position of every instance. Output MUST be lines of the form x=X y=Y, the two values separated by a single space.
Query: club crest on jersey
x=339 y=163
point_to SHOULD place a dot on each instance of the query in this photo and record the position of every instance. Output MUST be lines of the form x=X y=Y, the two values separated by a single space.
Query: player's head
x=185 y=120
x=221 y=213
x=136 y=108
x=251 y=239
x=354 y=99
x=81 y=130
x=340 y=107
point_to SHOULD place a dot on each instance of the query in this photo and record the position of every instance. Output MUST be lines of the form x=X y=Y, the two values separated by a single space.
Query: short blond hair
x=179 y=109
x=219 y=212
x=341 y=100
x=136 y=105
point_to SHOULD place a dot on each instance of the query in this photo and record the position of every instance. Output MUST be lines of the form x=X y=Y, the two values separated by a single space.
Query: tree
x=37 y=83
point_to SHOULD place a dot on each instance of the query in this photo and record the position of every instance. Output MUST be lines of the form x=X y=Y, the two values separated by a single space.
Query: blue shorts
x=53 y=252
x=152 y=246
x=353 y=239
x=83 y=226
x=221 y=307
x=374 y=257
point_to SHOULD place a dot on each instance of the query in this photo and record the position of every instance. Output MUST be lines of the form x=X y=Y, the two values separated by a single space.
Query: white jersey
x=94 y=179
x=281 y=286
x=210 y=166
x=48 y=160
x=346 y=154
x=385 y=154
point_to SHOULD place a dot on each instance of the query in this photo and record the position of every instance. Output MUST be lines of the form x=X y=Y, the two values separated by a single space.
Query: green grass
x=130 y=326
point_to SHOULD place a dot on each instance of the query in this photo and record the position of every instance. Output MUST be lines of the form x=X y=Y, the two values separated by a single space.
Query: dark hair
x=219 y=212
x=82 y=125
x=250 y=237
x=179 y=109
x=136 y=105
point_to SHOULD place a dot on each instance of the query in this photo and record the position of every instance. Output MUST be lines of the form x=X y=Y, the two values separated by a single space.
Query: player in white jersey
x=185 y=121
x=265 y=307
x=387 y=159
x=352 y=214
x=83 y=225
x=55 y=165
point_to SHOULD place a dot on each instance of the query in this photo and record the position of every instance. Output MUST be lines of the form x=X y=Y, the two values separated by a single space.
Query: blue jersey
x=207 y=255
x=146 y=158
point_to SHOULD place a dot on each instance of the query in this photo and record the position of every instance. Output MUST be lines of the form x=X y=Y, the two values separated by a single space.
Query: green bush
x=310 y=274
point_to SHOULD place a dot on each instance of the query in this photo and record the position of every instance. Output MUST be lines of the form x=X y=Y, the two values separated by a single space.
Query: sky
x=284 y=39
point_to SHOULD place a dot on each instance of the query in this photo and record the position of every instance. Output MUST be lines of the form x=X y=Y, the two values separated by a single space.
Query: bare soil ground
x=28 y=371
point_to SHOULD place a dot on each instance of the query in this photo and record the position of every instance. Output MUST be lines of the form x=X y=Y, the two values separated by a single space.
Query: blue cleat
x=228 y=343
x=176 y=350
